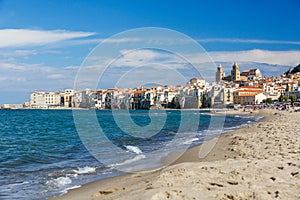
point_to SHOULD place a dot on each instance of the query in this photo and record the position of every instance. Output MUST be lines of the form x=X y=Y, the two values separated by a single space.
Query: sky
x=45 y=44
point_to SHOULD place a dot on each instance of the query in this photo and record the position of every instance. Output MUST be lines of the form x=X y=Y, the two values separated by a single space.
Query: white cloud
x=131 y=60
x=16 y=53
x=106 y=40
x=28 y=37
x=254 y=41
x=56 y=76
x=184 y=41
x=29 y=77
x=141 y=57
x=291 y=58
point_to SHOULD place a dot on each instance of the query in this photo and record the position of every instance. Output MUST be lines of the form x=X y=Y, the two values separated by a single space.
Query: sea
x=44 y=153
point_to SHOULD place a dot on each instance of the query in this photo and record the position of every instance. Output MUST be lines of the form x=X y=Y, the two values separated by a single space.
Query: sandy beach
x=259 y=161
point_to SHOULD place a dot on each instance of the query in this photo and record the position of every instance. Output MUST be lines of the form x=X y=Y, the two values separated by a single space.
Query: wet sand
x=259 y=161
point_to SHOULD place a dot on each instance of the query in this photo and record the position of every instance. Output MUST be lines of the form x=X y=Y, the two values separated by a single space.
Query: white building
x=12 y=106
x=37 y=100
x=44 y=100
x=52 y=99
x=200 y=82
x=250 y=99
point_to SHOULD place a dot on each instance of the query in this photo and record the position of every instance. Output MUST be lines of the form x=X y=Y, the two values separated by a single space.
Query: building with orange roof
x=248 y=95
x=250 y=98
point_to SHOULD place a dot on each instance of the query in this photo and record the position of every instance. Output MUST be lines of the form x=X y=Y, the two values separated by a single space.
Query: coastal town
x=247 y=87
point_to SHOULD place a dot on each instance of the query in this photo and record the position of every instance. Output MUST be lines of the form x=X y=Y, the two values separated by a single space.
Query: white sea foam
x=85 y=170
x=126 y=162
x=69 y=188
x=258 y=118
x=134 y=149
x=59 y=182
x=17 y=184
x=191 y=140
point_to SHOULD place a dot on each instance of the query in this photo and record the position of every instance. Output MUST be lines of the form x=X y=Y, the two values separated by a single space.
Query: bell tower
x=235 y=73
x=220 y=74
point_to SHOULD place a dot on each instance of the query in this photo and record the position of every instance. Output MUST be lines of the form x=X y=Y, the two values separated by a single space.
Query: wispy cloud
x=28 y=37
x=106 y=40
x=8 y=53
x=29 y=77
x=291 y=58
x=18 y=53
x=253 y=41
x=150 y=64
x=288 y=58
x=184 y=41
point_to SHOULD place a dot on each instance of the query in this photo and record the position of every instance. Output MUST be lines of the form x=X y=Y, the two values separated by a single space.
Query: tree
x=282 y=98
x=293 y=97
x=268 y=101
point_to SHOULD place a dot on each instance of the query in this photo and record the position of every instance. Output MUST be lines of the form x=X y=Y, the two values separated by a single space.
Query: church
x=236 y=75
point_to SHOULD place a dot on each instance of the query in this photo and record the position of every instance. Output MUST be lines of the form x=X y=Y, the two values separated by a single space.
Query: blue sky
x=43 y=43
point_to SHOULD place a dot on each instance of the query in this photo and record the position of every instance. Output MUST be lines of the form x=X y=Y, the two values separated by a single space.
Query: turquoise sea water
x=42 y=154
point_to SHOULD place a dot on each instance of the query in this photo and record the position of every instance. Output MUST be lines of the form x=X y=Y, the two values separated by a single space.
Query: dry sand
x=260 y=161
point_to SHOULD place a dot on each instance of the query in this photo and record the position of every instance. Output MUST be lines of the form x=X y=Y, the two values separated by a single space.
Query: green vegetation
x=268 y=101
x=282 y=98
x=293 y=97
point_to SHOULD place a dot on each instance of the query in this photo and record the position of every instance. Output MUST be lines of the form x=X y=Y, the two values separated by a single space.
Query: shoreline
x=91 y=190
x=74 y=108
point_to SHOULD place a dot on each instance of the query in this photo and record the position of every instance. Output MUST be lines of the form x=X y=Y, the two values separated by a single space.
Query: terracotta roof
x=250 y=91
x=247 y=95
x=138 y=92
x=256 y=87
x=112 y=89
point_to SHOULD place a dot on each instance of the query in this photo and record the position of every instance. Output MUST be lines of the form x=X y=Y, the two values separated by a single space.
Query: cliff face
x=296 y=69
x=293 y=70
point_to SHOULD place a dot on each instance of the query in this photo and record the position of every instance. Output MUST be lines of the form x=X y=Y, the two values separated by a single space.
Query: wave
x=129 y=161
x=257 y=118
x=64 y=191
x=190 y=141
x=243 y=116
x=59 y=182
x=85 y=170
x=134 y=149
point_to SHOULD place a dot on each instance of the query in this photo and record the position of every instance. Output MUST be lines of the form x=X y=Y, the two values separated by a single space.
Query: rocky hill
x=293 y=70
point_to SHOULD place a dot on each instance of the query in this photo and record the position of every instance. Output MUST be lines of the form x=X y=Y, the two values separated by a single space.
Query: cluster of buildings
x=156 y=97
x=247 y=87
